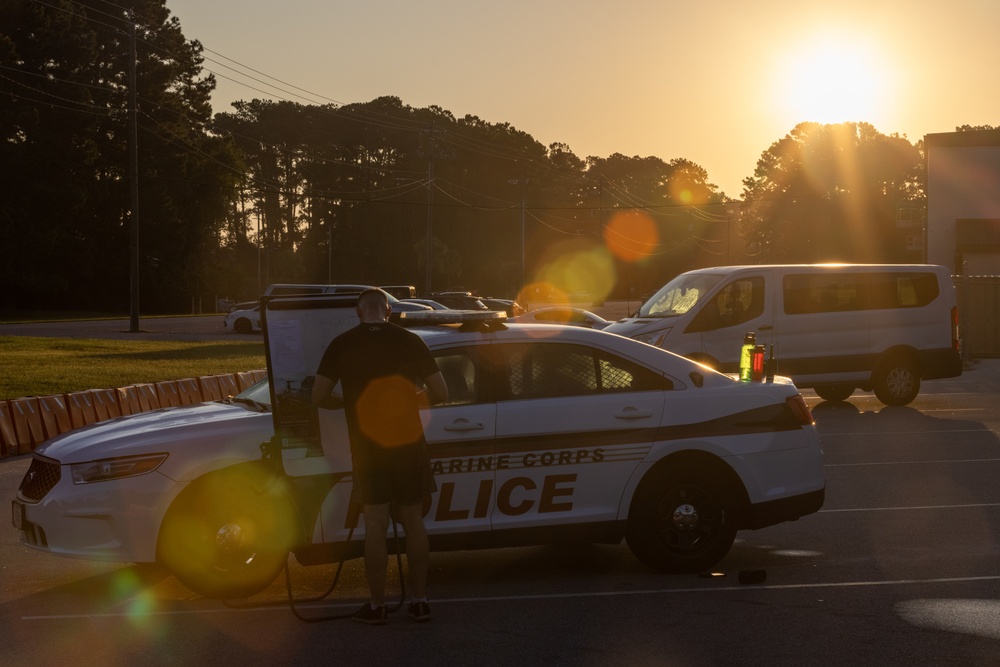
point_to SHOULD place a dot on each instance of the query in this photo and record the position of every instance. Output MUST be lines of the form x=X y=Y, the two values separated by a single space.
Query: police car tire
x=229 y=533
x=670 y=543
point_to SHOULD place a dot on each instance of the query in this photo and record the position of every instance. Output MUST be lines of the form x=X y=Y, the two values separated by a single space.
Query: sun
x=834 y=80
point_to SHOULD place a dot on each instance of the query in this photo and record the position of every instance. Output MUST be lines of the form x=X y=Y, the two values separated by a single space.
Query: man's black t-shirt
x=380 y=367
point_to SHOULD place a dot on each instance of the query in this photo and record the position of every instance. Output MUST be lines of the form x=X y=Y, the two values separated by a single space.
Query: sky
x=715 y=82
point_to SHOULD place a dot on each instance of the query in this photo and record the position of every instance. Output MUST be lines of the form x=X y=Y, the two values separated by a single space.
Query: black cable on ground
x=292 y=602
x=334 y=617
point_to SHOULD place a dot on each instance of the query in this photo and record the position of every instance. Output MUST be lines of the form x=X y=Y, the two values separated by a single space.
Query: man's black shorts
x=402 y=476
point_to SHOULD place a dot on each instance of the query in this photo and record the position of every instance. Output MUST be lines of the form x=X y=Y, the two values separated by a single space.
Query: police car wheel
x=897 y=381
x=683 y=520
x=228 y=534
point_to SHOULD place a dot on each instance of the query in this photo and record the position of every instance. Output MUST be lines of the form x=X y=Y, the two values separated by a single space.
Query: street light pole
x=133 y=152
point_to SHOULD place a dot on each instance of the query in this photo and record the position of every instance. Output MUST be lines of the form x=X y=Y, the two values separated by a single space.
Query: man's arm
x=437 y=388
x=322 y=386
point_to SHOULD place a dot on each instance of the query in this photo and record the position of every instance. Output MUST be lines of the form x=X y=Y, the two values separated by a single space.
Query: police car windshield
x=258 y=396
x=679 y=295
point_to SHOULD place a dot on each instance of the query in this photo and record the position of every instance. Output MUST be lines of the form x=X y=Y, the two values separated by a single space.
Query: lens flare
x=571 y=271
x=135 y=596
x=632 y=236
x=387 y=411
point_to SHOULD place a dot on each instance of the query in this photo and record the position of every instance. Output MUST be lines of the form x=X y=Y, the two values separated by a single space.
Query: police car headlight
x=103 y=470
x=654 y=337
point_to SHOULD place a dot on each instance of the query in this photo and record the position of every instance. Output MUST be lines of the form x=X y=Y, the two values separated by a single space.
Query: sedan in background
x=243 y=321
x=432 y=304
x=509 y=306
x=248 y=320
x=458 y=300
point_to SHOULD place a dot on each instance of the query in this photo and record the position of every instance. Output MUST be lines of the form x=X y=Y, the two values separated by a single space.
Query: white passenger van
x=832 y=327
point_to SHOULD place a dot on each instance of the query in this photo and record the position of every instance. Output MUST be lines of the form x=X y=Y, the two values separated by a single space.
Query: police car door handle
x=464 y=425
x=632 y=413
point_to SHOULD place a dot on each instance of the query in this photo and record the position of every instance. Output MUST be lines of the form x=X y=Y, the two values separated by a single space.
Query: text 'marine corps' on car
x=552 y=433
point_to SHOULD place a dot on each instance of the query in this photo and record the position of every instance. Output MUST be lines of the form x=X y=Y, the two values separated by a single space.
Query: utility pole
x=431 y=152
x=430 y=209
x=133 y=153
x=523 y=265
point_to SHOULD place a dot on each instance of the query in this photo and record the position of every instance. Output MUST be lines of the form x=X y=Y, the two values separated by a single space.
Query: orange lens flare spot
x=387 y=411
x=631 y=236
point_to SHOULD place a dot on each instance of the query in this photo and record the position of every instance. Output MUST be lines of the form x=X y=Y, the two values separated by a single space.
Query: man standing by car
x=381 y=368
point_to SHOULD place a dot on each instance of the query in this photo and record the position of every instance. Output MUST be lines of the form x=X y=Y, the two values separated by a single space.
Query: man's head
x=373 y=306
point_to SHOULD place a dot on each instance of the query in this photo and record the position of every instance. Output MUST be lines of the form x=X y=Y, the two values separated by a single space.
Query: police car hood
x=205 y=430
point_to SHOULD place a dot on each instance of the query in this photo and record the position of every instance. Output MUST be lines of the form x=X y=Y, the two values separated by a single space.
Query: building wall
x=963 y=182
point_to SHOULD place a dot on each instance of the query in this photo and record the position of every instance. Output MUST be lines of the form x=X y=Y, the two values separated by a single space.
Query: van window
x=901 y=290
x=740 y=301
x=823 y=293
x=841 y=292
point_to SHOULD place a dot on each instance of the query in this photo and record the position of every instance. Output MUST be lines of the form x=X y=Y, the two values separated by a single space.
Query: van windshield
x=679 y=295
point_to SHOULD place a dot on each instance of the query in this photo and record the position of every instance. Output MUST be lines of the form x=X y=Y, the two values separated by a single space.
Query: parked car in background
x=243 y=321
x=399 y=307
x=458 y=300
x=400 y=291
x=509 y=306
x=434 y=305
x=832 y=327
x=248 y=320
x=577 y=317
x=287 y=289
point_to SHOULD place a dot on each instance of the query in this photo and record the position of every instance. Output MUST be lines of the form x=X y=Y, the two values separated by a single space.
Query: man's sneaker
x=419 y=611
x=376 y=616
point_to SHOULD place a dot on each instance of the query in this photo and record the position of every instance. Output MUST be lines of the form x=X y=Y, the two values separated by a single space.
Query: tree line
x=376 y=192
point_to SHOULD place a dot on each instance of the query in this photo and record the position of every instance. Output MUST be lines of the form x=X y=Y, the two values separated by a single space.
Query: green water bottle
x=746 y=356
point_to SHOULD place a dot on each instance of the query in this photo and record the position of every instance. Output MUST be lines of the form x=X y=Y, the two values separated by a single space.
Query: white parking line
x=912 y=507
x=554 y=596
x=853 y=434
x=896 y=463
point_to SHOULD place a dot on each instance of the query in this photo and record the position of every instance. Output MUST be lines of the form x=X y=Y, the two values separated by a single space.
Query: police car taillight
x=799 y=408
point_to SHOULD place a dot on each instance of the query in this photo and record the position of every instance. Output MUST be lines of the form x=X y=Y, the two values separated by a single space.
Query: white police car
x=552 y=433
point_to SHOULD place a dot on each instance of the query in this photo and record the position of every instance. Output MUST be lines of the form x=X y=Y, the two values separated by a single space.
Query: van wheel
x=897 y=381
x=682 y=520
x=834 y=392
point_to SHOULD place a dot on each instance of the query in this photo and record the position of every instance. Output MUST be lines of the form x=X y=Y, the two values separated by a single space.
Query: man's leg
x=417 y=548
x=376 y=551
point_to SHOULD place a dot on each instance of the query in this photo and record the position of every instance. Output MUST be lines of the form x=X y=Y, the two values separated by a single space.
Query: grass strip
x=36 y=366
